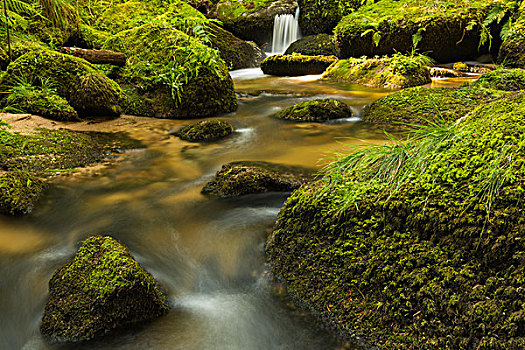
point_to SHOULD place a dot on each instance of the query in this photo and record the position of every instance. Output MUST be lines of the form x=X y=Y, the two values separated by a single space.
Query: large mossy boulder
x=512 y=50
x=501 y=79
x=45 y=103
x=236 y=52
x=101 y=289
x=394 y=72
x=322 y=16
x=294 y=65
x=205 y=131
x=247 y=177
x=444 y=30
x=86 y=89
x=316 y=111
x=19 y=192
x=418 y=245
x=313 y=45
x=252 y=21
x=171 y=74
x=424 y=105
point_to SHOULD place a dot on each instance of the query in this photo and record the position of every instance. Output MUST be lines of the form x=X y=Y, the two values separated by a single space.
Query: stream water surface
x=208 y=253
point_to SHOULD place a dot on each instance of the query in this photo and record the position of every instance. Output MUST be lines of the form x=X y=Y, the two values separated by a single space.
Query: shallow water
x=208 y=253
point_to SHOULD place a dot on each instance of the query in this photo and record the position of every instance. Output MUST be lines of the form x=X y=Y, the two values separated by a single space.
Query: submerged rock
x=394 y=72
x=101 y=289
x=446 y=33
x=316 y=111
x=418 y=246
x=294 y=65
x=205 y=130
x=19 y=192
x=86 y=89
x=247 y=177
x=314 y=45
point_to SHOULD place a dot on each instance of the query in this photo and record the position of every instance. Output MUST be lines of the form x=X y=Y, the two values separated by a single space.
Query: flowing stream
x=208 y=253
x=285 y=31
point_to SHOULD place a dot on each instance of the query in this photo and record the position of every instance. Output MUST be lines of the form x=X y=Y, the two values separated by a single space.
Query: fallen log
x=97 y=56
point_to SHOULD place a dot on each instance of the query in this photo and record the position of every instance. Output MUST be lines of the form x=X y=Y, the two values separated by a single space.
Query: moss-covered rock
x=205 y=130
x=171 y=74
x=44 y=103
x=235 y=52
x=502 y=79
x=313 y=45
x=293 y=65
x=512 y=50
x=394 y=72
x=447 y=31
x=87 y=90
x=422 y=105
x=19 y=192
x=101 y=289
x=418 y=245
x=322 y=16
x=241 y=178
x=316 y=111
x=252 y=20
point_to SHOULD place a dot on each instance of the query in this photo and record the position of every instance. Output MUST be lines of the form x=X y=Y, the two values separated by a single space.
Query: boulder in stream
x=313 y=45
x=101 y=289
x=316 y=111
x=19 y=191
x=205 y=130
x=501 y=79
x=294 y=65
x=248 y=177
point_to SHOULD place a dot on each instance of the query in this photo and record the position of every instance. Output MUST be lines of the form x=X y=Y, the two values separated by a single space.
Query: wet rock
x=294 y=65
x=19 y=192
x=205 y=130
x=45 y=103
x=440 y=72
x=247 y=177
x=502 y=79
x=398 y=71
x=101 y=289
x=313 y=45
x=316 y=111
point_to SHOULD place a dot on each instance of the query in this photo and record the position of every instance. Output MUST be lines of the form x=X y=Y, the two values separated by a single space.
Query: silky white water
x=285 y=31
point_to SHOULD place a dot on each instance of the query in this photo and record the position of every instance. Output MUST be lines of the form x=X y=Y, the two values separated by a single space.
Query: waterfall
x=285 y=31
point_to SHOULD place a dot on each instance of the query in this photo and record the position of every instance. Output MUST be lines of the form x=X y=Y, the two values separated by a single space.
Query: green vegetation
x=447 y=31
x=102 y=288
x=316 y=111
x=314 y=45
x=501 y=79
x=242 y=178
x=512 y=51
x=398 y=71
x=234 y=9
x=19 y=192
x=319 y=16
x=291 y=65
x=420 y=105
x=205 y=131
x=417 y=240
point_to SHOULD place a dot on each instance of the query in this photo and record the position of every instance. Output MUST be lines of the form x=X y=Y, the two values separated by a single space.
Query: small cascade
x=285 y=31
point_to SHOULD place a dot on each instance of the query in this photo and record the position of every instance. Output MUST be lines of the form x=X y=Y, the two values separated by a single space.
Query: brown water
x=208 y=253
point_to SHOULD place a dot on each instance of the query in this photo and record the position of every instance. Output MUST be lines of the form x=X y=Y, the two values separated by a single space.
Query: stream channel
x=208 y=253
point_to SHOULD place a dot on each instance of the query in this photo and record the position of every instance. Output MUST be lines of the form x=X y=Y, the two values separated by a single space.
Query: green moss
x=45 y=103
x=316 y=111
x=102 y=288
x=234 y=9
x=427 y=251
x=173 y=74
x=502 y=79
x=322 y=16
x=241 y=178
x=445 y=30
x=80 y=83
x=394 y=72
x=205 y=131
x=462 y=67
x=292 y=65
x=314 y=45
x=512 y=51
x=19 y=191
x=421 y=105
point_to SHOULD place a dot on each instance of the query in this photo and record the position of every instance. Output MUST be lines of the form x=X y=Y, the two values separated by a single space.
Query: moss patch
x=428 y=254
x=19 y=192
x=293 y=65
x=512 y=51
x=206 y=130
x=241 y=178
x=502 y=79
x=101 y=289
x=421 y=105
x=322 y=16
x=45 y=103
x=394 y=72
x=316 y=111
x=314 y=45
x=447 y=31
